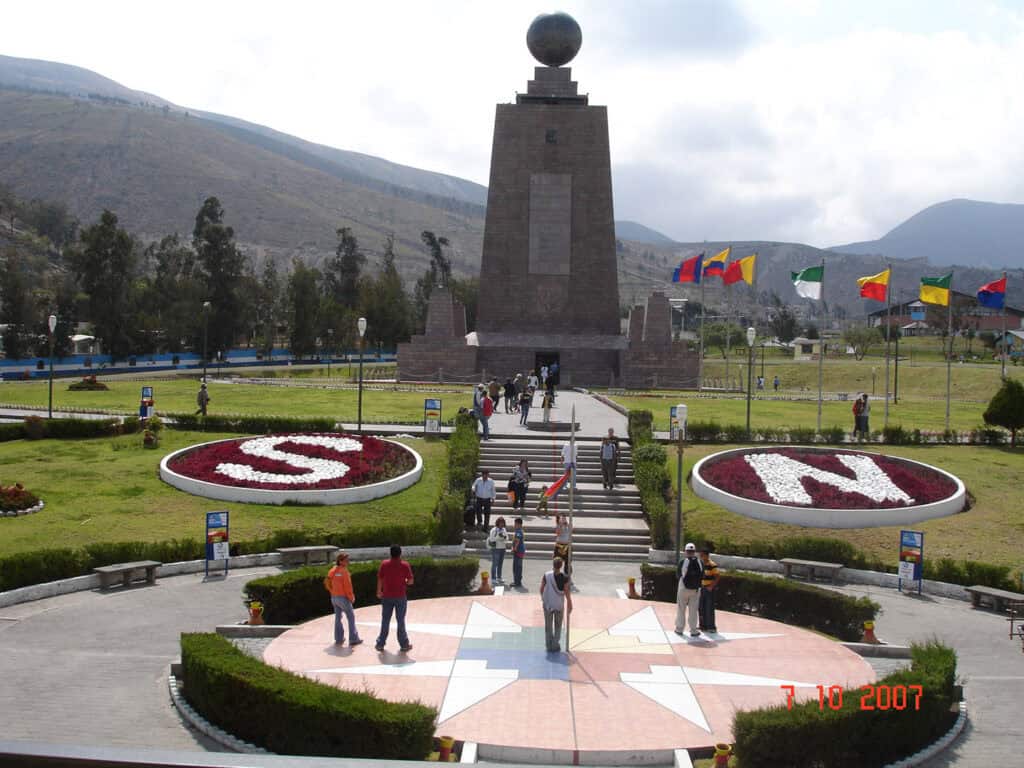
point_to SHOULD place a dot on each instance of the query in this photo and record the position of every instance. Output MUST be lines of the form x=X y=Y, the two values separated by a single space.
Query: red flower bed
x=377 y=461
x=14 y=498
x=734 y=475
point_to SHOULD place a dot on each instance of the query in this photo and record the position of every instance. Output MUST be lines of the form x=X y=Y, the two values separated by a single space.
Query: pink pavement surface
x=628 y=684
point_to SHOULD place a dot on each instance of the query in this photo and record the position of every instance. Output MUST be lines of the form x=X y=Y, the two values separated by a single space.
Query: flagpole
x=1002 y=357
x=728 y=333
x=700 y=358
x=572 y=503
x=888 y=333
x=949 y=332
x=821 y=345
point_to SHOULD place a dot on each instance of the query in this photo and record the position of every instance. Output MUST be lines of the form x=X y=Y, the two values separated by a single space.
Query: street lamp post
x=361 y=325
x=751 y=335
x=330 y=346
x=52 y=323
x=206 y=323
x=874 y=370
x=762 y=361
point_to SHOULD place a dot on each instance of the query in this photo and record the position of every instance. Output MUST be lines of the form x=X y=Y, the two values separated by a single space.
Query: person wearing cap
x=690 y=573
x=708 y=584
x=483 y=408
x=202 y=399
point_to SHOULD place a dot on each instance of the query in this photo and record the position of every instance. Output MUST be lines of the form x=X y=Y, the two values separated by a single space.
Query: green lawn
x=991 y=531
x=179 y=395
x=108 y=490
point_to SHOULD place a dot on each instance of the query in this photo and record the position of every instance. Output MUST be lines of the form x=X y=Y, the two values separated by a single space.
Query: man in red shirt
x=393 y=577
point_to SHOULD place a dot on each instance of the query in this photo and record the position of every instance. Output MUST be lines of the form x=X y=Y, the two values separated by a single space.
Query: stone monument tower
x=548 y=279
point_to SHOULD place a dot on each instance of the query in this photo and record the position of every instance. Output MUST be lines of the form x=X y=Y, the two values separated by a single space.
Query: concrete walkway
x=90 y=668
x=594 y=417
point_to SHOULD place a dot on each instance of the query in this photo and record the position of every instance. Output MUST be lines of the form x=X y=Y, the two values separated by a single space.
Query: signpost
x=431 y=417
x=911 y=558
x=217 y=539
x=146 y=403
x=677 y=421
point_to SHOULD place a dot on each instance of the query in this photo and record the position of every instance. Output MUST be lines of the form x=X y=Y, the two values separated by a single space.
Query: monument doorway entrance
x=540 y=359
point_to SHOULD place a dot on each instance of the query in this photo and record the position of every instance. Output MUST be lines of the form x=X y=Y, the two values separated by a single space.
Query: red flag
x=689 y=271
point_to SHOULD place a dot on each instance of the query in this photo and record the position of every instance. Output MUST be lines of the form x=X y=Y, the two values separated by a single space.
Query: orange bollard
x=869 y=634
x=632 y=589
x=722 y=754
x=485 y=584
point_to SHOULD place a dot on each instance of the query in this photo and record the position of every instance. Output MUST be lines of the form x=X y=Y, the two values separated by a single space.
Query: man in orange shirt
x=393 y=578
x=339 y=584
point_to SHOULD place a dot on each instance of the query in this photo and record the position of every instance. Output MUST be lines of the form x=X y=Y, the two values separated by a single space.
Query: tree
x=104 y=266
x=16 y=307
x=385 y=302
x=344 y=269
x=811 y=332
x=439 y=263
x=268 y=306
x=222 y=267
x=861 y=337
x=178 y=291
x=724 y=336
x=782 y=323
x=304 y=305
x=1006 y=408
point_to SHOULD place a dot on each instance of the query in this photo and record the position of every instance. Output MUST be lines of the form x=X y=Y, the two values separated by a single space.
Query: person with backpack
x=556 y=600
x=690 y=574
x=497 y=542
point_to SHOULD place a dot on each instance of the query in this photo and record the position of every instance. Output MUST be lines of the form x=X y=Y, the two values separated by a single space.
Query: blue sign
x=147 y=393
x=917 y=314
x=432 y=417
x=911 y=563
x=217 y=539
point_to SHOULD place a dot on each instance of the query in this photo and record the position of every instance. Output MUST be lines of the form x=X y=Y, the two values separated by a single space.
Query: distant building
x=918 y=318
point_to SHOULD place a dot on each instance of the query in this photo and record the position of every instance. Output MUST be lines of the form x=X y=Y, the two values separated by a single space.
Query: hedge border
x=288 y=714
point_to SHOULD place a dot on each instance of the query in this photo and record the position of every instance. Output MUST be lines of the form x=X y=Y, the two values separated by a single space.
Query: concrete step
x=590 y=552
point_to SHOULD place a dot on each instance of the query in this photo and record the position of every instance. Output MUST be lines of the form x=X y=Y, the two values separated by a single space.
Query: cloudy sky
x=815 y=121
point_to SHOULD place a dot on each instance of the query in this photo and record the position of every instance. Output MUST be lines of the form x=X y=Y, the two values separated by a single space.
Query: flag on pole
x=690 y=270
x=875 y=286
x=935 y=290
x=742 y=269
x=993 y=294
x=715 y=265
x=556 y=487
x=808 y=282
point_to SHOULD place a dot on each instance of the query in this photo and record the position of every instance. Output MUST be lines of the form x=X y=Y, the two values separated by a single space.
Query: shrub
x=640 y=426
x=988 y=436
x=802 y=435
x=251 y=425
x=289 y=714
x=653 y=482
x=73 y=429
x=130 y=425
x=808 y=735
x=14 y=498
x=703 y=431
x=790 y=602
x=88 y=384
x=12 y=432
x=297 y=596
x=894 y=435
x=35 y=428
x=736 y=433
x=448 y=522
x=833 y=435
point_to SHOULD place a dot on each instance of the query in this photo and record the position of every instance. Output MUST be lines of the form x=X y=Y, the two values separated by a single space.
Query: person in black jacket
x=690 y=573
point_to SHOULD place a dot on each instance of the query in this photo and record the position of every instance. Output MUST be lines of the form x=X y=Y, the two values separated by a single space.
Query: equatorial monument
x=548 y=275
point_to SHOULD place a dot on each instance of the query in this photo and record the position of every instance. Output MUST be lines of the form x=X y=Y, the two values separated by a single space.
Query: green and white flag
x=808 y=282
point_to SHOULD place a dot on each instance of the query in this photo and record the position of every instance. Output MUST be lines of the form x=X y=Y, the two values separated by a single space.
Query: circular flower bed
x=826 y=487
x=305 y=468
x=15 y=500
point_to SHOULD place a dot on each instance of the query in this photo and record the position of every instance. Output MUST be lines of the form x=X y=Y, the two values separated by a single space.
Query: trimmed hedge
x=807 y=736
x=248 y=425
x=790 y=602
x=463 y=449
x=652 y=479
x=292 y=715
x=42 y=565
x=966 y=572
x=297 y=596
x=36 y=428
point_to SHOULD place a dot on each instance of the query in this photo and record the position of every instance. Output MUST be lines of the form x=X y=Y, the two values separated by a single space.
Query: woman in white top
x=563 y=540
x=497 y=540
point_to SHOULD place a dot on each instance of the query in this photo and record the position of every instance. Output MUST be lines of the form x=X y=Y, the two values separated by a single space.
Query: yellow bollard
x=445 y=756
x=722 y=754
x=485 y=584
x=632 y=589
x=869 y=634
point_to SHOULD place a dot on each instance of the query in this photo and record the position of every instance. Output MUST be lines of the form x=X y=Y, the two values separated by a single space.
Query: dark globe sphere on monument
x=554 y=38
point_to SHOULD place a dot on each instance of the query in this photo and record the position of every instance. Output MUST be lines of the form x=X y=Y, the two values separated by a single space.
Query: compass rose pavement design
x=628 y=683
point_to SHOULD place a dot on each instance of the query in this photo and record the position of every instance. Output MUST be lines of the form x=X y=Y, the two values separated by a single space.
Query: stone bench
x=999 y=598
x=109 y=573
x=306 y=554
x=811 y=567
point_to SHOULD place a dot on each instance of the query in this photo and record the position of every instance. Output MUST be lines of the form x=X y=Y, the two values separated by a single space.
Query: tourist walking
x=546 y=402
x=563 y=541
x=518 y=552
x=861 y=410
x=339 y=583
x=497 y=543
x=510 y=396
x=708 y=584
x=494 y=390
x=394 y=577
x=775 y=383
x=553 y=372
x=483 y=494
x=521 y=477
x=533 y=381
x=202 y=399
x=865 y=414
x=525 y=399
x=689 y=573
x=570 y=454
x=556 y=599
x=486 y=411
x=609 y=459
x=544 y=376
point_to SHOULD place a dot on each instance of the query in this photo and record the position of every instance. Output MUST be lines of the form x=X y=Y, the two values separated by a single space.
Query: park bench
x=319 y=551
x=810 y=567
x=109 y=573
x=999 y=598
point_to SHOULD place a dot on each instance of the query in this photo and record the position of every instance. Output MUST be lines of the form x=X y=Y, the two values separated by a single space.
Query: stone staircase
x=608 y=525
